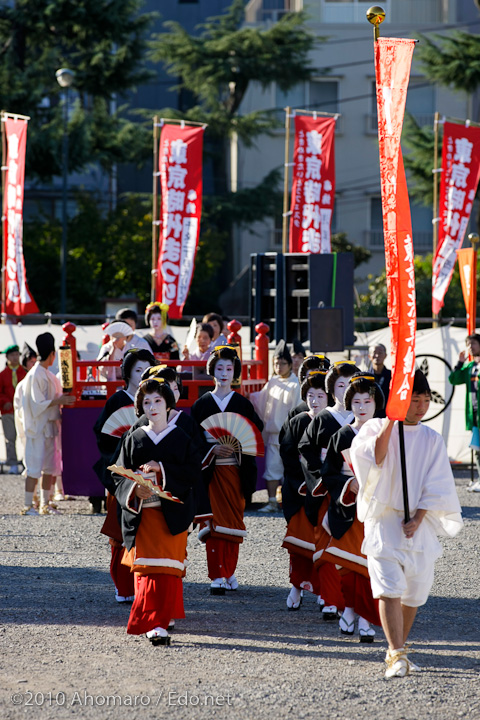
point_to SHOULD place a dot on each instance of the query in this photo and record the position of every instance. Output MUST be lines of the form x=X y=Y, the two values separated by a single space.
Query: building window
x=316 y=94
x=348 y=11
x=421 y=226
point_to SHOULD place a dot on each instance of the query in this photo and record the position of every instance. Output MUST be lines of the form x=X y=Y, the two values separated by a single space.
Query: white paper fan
x=236 y=431
x=120 y=421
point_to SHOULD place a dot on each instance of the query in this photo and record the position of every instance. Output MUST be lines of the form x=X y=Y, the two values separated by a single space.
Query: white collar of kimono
x=174 y=418
x=156 y=438
x=340 y=418
x=222 y=404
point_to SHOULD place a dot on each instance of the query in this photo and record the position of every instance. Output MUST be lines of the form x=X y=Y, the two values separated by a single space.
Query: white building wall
x=348 y=56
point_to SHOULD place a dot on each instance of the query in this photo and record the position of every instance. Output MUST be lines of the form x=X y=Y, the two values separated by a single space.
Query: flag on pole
x=18 y=299
x=393 y=57
x=467 y=265
x=313 y=188
x=458 y=186
x=181 y=182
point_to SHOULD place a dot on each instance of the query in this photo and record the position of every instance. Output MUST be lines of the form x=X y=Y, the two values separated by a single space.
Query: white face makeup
x=155 y=321
x=155 y=407
x=223 y=373
x=136 y=373
x=363 y=407
x=341 y=384
x=316 y=399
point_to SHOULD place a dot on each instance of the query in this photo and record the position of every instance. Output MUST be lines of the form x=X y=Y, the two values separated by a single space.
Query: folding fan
x=144 y=479
x=236 y=431
x=120 y=421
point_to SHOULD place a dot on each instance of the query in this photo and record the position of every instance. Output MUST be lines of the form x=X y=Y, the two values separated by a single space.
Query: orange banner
x=467 y=265
x=393 y=58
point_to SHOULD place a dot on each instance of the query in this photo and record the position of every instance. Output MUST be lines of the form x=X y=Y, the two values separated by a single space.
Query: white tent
x=437 y=352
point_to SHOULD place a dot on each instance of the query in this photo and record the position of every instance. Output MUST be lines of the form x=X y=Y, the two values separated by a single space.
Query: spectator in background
x=217 y=324
x=9 y=379
x=377 y=354
x=297 y=351
x=203 y=338
x=162 y=344
x=134 y=341
x=466 y=372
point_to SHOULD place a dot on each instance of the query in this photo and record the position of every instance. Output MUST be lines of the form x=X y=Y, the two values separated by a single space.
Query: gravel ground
x=65 y=652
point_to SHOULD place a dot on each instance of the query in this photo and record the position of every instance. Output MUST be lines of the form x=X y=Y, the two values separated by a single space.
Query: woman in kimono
x=228 y=481
x=365 y=399
x=155 y=529
x=299 y=539
x=162 y=344
x=313 y=448
x=134 y=365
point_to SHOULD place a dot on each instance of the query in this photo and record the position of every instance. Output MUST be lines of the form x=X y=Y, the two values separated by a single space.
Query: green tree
x=215 y=67
x=103 y=42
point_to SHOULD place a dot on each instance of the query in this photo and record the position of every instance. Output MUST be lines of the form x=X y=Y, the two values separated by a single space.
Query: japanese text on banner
x=313 y=189
x=181 y=182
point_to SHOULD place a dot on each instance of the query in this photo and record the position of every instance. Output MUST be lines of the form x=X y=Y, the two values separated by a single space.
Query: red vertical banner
x=458 y=186
x=467 y=265
x=313 y=188
x=18 y=299
x=181 y=151
x=393 y=58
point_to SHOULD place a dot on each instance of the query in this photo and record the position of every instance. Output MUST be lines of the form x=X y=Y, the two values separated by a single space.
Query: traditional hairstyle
x=27 y=354
x=296 y=348
x=342 y=368
x=224 y=352
x=205 y=327
x=420 y=384
x=312 y=362
x=45 y=343
x=151 y=385
x=316 y=380
x=364 y=383
x=126 y=314
x=164 y=371
x=282 y=351
x=131 y=357
x=156 y=307
x=213 y=316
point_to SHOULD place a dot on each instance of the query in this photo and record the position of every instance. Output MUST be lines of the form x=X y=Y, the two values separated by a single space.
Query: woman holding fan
x=229 y=476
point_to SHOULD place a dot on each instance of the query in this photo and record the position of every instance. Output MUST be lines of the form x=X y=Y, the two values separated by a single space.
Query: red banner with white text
x=313 y=188
x=393 y=58
x=467 y=265
x=18 y=299
x=458 y=185
x=181 y=182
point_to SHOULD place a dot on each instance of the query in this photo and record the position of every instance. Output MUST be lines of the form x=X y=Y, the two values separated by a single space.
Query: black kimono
x=206 y=406
x=313 y=448
x=294 y=477
x=108 y=444
x=181 y=470
x=340 y=516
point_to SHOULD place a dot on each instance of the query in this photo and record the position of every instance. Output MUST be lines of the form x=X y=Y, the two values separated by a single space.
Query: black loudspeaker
x=326 y=330
x=266 y=293
x=318 y=280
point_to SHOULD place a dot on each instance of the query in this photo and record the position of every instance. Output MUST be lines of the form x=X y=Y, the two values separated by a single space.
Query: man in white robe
x=41 y=400
x=401 y=556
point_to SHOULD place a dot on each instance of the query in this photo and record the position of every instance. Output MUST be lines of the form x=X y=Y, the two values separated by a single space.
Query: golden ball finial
x=474 y=239
x=375 y=15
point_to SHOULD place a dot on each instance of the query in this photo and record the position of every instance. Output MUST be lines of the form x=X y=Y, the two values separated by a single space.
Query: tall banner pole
x=288 y=111
x=156 y=174
x=393 y=58
x=4 y=239
x=435 y=219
